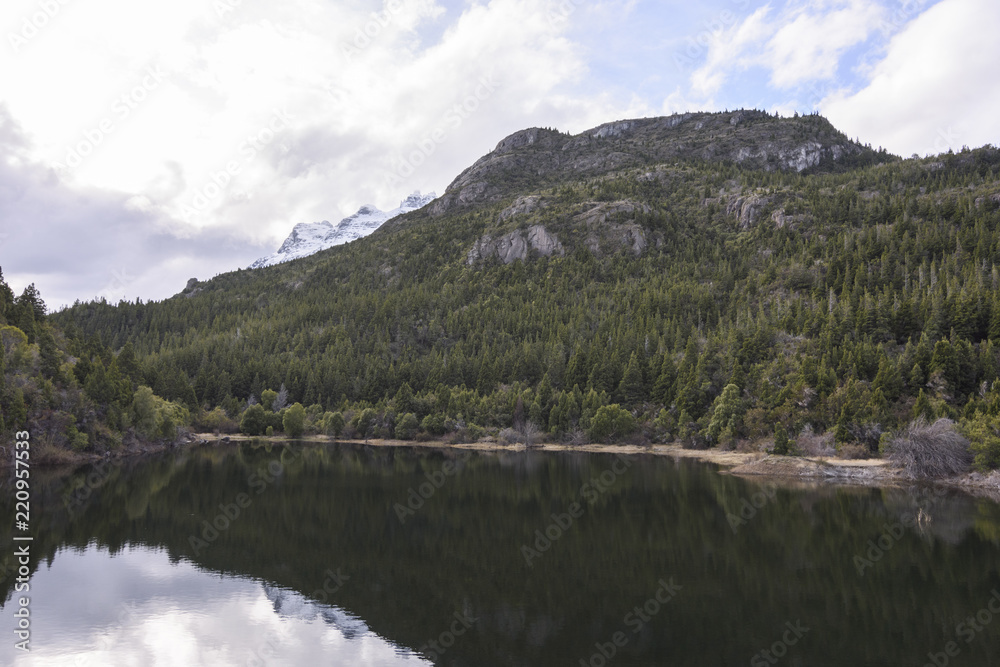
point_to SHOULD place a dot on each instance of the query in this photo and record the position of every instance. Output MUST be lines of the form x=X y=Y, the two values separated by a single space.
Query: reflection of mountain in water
x=290 y=604
x=333 y=508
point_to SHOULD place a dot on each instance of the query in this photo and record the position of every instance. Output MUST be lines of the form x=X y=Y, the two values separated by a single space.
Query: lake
x=260 y=554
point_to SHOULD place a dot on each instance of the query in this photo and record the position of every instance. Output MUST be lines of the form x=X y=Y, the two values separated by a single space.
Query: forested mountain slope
x=645 y=263
x=69 y=392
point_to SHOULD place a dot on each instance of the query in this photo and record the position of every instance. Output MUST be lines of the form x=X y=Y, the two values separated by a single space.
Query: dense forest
x=71 y=393
x=685 y=295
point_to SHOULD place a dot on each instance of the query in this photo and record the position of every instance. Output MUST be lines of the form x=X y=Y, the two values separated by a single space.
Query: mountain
x=749 y=139
x=308 y=238
x=701 y=278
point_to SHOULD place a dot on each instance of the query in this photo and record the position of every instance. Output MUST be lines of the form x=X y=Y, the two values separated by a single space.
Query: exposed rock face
x=601 y=213
x=779 y=218
x=514 y=246
x=522 y=206
x=545 y=243
x=612 y=226
x=612 y=129
x=747 y=209
x=527 y=137
x=192 y=288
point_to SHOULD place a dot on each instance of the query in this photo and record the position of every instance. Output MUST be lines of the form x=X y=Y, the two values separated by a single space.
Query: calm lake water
x=350 y=555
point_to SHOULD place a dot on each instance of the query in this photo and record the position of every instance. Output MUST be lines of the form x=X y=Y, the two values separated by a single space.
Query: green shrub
x=433 y=424
x=254 y=421
x=294 y=420
x=407 y=427
x=611 y=422
x=983 y=432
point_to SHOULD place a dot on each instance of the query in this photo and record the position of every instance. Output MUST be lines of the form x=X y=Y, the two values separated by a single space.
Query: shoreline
x=789 y=469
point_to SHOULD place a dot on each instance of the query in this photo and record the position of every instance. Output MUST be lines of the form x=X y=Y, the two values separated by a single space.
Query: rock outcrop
x=515 y=246
x=747 y=209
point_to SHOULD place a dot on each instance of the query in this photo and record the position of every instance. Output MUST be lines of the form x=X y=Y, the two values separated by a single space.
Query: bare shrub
x=577 y=437
x=930 y=450
x=815 y=444
x=509 y=436
x=851 y=451
x=530 y=434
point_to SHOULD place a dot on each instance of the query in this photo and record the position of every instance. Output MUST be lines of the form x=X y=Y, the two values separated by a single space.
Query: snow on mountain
x=308 y=238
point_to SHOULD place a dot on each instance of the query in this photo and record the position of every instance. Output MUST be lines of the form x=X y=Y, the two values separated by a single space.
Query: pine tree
x=664 y=389
x=18 y=418
x=129 y=365
x=923 y=407
x=782 y=444
x=632 y=389
x=727 y=414
x=842 y=432
x=48 y=353
x=403 y=400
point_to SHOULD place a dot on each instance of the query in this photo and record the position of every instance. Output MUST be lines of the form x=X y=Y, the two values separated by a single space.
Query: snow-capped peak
x=308 y=238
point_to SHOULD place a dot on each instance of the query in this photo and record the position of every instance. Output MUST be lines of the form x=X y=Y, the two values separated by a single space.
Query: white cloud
x=314 y=107
x=804 y=42
x=935 y=89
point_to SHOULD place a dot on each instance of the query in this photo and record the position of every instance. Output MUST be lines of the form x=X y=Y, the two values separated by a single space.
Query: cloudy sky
x=143 y=143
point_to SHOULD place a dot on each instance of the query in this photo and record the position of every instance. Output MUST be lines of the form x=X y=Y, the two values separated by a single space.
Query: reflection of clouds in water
x=136 y=608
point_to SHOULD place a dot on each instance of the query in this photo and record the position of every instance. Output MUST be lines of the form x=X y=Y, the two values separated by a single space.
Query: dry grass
x=925 y=450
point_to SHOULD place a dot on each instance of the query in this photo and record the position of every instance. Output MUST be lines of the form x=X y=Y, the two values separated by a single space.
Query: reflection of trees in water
x=332 y=507
x=935 y=513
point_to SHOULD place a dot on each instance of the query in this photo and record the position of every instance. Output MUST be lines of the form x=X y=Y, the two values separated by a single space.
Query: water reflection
x=313 y=554
x=135 y=607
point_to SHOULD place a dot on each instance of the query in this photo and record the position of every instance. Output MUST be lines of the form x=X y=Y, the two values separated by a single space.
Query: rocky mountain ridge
x=748 y=138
